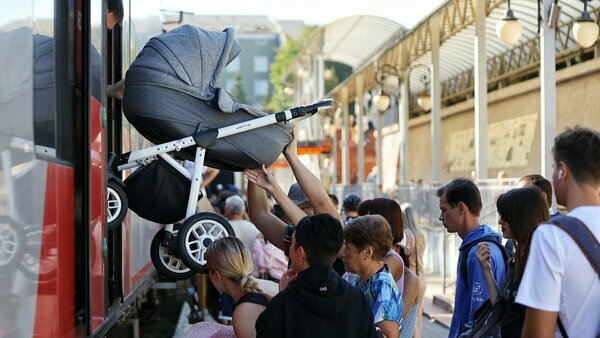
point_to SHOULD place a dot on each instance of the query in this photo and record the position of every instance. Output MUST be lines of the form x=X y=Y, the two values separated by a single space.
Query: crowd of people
x=359 y=273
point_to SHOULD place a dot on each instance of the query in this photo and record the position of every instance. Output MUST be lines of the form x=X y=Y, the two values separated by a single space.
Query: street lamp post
x=382 y=102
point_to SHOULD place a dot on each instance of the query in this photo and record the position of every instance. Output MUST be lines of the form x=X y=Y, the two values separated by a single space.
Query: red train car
x=63 y=271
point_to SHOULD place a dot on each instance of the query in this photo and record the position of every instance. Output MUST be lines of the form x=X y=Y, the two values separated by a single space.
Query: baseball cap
x=297 y=195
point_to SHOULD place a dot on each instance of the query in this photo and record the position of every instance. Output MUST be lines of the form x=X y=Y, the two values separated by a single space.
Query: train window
x=52 y=82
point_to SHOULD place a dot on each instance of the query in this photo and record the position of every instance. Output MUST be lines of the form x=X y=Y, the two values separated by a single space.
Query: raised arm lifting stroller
x=171 y=98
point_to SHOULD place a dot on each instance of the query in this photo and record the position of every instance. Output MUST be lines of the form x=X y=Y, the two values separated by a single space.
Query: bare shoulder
x=244 y=319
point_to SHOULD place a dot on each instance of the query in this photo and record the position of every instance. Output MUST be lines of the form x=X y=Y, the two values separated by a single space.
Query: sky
x=406 y=12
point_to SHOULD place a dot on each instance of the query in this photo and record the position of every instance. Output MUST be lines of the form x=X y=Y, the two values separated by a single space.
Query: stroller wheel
x=116 y=204
x=198 y=232
x=12 y=243
x=166 y=261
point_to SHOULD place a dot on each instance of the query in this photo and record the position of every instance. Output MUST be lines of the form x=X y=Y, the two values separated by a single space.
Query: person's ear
x=300 y=254
x=461 y=208
x=368 y=252
x=561 y=174
x=562 y=170
x=217 y=275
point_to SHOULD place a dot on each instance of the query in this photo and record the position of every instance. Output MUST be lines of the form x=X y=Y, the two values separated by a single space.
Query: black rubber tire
x=174 y=268
x=12 y=243
x=198 y=232
x=116 y=204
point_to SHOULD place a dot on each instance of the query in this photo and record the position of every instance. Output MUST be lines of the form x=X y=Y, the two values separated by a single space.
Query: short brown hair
x=541 y=183
x=579 y=148
x=371 y=230
x=462 y=190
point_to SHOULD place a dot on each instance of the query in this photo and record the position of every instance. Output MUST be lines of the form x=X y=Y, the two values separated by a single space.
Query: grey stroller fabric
x=171 y=92
x=15 y=86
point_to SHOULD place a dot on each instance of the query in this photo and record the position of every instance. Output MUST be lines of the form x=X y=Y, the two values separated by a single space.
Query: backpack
x=462 y=264
x=486 y=321
x=585 y=240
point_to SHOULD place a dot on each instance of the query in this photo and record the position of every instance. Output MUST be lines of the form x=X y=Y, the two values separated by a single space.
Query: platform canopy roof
x=455 y=20
x=353 y=40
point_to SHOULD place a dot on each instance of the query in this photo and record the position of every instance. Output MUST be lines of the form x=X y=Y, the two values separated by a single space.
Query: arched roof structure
x=353 y=40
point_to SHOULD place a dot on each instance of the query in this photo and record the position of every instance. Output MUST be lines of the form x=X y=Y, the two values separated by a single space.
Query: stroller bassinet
x=171 y=92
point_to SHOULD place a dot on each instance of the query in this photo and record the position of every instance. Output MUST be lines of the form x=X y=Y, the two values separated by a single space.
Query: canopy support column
x=548 y=90
x=436 y=101
x=360 y=112
x=403 y=109
x=345 y=139
x=481 y=115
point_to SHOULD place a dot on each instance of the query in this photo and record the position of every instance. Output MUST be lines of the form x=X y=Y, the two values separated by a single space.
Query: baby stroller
x=171 y=98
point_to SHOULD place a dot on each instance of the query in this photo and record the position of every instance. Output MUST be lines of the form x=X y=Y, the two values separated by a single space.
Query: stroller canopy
x=192 y=60
x=171 y=92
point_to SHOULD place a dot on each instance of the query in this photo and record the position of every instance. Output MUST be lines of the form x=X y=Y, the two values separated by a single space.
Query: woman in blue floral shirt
x=367 y=240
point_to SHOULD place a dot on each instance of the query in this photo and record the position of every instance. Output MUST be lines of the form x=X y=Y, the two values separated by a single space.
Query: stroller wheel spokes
x=165 y=260
x=116 y=204
x=11 y=243
x=172 y=262
x=198 y=232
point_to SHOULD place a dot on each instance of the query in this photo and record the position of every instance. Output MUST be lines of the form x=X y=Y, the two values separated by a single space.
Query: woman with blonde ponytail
x=229 y=264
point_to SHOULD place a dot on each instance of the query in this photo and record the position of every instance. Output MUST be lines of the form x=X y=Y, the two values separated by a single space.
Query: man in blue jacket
x=460 y=205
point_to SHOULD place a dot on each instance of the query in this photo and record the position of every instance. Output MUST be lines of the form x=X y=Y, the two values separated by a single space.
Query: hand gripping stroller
x=178 y=250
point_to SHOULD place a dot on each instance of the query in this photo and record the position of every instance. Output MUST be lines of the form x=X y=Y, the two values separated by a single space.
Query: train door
x=44 y=182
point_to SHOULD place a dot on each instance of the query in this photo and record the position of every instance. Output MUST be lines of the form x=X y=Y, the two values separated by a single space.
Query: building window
x=261 y=64
x=261 y=87
x=233 y=67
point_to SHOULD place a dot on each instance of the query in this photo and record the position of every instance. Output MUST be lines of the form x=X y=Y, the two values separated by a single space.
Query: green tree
x=279 y=76
x=238 y=90
x=338 y=72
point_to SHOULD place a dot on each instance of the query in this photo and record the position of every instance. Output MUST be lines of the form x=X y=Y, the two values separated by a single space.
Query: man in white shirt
x=559 y=282
x=235 y=210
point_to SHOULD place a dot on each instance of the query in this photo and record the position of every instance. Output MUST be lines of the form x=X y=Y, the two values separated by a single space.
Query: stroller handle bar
x=293 y=114
x=311 y=108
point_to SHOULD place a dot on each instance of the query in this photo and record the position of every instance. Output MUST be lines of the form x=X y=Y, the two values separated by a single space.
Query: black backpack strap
x=510 y=247
x=561 y=328
x=585 y=240
x=582 y=235
x=465 y=254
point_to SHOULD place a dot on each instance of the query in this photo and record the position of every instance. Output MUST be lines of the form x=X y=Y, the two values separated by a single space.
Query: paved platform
x=438 y=306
